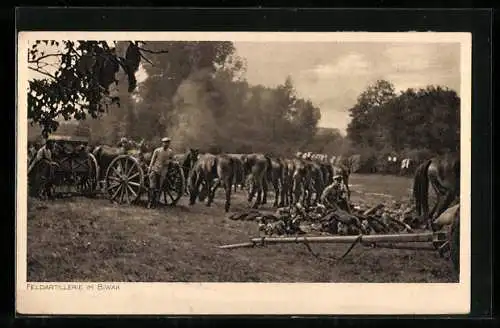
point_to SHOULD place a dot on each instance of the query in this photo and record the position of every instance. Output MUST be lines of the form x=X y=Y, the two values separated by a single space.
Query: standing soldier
x=45 y=152
x=334 y=196
x=158 y=169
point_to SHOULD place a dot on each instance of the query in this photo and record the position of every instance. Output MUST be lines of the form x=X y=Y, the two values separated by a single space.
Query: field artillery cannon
x=73 y=166
x=126 y=180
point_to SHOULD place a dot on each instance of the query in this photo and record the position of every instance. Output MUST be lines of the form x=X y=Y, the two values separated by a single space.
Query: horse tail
x=192 y=179
x=421 y=188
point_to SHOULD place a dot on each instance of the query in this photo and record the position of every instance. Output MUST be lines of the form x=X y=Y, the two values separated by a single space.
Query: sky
x=333 y=74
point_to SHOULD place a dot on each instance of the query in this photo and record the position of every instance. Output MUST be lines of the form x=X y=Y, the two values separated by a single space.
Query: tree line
x=196 y=93
x=414 y=123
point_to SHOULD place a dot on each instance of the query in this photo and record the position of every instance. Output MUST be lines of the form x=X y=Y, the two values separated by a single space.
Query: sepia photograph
x=290 y=159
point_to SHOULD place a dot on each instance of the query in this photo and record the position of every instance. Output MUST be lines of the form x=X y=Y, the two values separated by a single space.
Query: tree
x=198 y=62
x=76 y=78
x=364 y=127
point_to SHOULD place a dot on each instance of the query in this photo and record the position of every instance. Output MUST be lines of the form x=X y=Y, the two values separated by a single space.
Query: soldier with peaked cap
x=158 y=168
x=334 y=195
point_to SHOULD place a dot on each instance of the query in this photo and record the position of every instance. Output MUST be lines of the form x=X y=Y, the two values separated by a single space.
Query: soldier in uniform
x=158 y=168
x=123 y=144
x=334 y=196
x=45 y=152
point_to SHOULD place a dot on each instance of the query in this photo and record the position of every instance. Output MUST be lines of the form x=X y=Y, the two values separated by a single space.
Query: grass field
x=80 y=239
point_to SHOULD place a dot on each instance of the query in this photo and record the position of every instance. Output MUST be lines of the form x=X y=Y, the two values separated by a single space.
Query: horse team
x=292 y=179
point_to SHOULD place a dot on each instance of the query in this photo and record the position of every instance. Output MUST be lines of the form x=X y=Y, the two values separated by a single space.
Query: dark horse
x=257 y=167
x=208 y=169
x=104 y=154
x=187 y=161
x=444 y=175
x=42 y=179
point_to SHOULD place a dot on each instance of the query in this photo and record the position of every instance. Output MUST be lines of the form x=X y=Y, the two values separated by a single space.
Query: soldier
x=334 y=196
x=123 y=144
x=158 y=169
x=45 y=152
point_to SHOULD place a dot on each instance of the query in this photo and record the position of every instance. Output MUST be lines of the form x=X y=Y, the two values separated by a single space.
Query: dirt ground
x=81 y=239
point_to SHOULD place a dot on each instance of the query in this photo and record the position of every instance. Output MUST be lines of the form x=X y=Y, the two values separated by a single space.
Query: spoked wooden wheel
x=124 y=179
x=88 y=181
x=173 y=187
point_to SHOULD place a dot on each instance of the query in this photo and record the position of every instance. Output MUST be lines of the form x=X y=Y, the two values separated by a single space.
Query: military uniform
x=335 y=194
x=123 y=145
x=158 y=169
x=43 y=153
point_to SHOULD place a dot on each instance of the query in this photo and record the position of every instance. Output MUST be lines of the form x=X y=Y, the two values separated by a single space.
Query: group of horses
x=292 y=179
x=300 y=178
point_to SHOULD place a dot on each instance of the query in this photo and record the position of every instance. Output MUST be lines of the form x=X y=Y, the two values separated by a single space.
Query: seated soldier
x=334 y=196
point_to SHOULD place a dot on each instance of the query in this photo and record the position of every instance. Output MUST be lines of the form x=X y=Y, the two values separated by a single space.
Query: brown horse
x=104 y=154
x=288 y=169
x=300 y=181
x=275 y=177
x=208 y=169
x=225 y=173
x=256 y=167
x=239 y=174
x=42 y=179
x=187 y=161
x=315 y=182
x=444 y=174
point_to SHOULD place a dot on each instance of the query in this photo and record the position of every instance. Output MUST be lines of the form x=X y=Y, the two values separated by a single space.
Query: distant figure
x=405 y=166
x=157 y=171
x=334 y=196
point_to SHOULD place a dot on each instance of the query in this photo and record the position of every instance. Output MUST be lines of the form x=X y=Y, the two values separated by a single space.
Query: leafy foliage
x=414 y=123
x=75 y=79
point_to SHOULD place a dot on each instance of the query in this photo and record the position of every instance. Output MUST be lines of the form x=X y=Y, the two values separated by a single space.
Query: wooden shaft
x=241 y=245
x=409 y=237
x=403 y=238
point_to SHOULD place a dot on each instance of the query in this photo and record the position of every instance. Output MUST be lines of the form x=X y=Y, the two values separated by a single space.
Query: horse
x=205 y=171
x=225 y=173
x=275 y=176
x=239 y=174
x=315 y=182
x=327 y=171
x=287 y=186
x=104 y=154
x=443 y=172
x=187 y=161
x=300 y=180
x=42 y=179
x=256 y=167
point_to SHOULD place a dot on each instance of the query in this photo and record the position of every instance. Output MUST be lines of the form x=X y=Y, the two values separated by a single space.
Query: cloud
x=409 y=57
x=351 y=64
